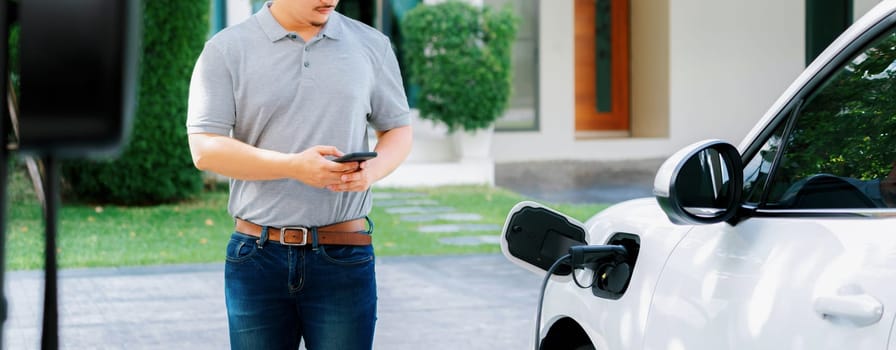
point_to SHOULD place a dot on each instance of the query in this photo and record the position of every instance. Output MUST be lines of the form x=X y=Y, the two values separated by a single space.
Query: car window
x=841 y=150
x=756 y=171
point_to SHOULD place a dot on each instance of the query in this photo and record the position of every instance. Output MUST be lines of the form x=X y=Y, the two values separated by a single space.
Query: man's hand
x=392 y=147
x=356 y=180
x=314 y=169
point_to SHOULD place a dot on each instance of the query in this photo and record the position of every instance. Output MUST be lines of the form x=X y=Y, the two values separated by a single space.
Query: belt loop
x=264 y=237
x=369 y=225
x=314 y=244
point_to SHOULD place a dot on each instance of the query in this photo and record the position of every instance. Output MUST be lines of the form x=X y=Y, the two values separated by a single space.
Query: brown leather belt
x=344 y=233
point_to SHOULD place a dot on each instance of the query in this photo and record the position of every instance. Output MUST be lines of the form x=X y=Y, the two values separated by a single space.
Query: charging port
x=612 y=278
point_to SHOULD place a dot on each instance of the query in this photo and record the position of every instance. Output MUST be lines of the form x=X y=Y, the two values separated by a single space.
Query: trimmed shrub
x=459 y=55
x=155 y=166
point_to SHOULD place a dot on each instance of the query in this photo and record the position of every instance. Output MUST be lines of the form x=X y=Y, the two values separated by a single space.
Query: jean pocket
x=240 y=251
x=347 y=254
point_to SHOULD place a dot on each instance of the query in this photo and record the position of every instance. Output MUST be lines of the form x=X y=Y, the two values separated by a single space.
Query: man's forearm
x=235 y=159
x=393 y=147
x=238 y=160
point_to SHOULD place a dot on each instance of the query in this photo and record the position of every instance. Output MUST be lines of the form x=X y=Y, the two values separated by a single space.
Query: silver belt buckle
x=304 y=236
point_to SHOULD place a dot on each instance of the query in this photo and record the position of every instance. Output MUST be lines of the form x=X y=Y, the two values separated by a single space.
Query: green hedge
x=460 y=56
x=155 y=166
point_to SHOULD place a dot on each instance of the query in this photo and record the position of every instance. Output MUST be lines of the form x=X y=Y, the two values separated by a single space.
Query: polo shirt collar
x=332 y=29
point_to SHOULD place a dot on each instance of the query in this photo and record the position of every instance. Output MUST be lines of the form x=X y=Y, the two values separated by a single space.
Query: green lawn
x=197 y=230
x=394 y=236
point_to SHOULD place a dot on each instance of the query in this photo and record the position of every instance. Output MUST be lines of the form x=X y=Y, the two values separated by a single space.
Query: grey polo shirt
x=269 y=88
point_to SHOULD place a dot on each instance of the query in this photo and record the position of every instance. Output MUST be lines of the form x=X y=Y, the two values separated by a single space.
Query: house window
x=602 y=66
x=522 y=111
x=825 y=20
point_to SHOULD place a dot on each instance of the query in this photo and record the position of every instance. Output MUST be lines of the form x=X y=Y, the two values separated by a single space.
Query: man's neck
x=305 y=30
x=307 y=34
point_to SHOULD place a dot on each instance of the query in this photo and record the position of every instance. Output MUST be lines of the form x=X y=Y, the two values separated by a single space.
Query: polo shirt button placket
x=306 y=48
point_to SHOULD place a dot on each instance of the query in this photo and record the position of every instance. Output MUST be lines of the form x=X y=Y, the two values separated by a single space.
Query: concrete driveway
x=446 y=302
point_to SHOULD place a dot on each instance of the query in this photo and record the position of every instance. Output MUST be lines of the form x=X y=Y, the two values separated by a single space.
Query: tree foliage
x=460 y=56
x=156 y=165
x=848 y=127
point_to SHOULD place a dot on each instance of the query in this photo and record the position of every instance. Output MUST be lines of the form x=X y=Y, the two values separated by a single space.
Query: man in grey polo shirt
x=272 y=101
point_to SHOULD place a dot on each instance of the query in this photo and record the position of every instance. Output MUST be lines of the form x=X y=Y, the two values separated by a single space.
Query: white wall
x=729 y=62
x=238 y=11
x=860 y=7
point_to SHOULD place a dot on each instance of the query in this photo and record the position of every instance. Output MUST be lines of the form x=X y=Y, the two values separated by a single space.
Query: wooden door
x=602 y=65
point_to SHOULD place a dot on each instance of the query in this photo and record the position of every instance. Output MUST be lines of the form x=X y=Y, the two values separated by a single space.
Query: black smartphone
x=355 y=157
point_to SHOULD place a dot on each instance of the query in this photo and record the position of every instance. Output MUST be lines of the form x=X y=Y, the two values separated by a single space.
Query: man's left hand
x=355 y=181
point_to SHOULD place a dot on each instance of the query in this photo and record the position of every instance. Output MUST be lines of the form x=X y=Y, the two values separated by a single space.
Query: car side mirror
x=535 y=236
x=700 y=184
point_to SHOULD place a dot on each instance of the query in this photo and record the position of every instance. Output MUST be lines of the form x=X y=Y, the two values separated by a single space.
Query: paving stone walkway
x=416 y=207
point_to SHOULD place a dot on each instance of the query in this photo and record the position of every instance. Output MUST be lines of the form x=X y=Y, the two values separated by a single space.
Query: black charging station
x=78 y=81
x=78 y=73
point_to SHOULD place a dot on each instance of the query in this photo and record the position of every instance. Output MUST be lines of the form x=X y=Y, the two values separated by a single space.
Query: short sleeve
x=389 y=105
x=211 y=107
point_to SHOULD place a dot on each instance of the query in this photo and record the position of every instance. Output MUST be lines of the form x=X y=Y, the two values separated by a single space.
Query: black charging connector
x=589 y=256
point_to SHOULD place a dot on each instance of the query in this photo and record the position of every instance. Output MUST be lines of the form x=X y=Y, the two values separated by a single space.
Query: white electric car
x=785 y=242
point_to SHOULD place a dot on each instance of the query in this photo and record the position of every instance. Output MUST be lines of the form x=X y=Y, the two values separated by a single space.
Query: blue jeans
x=277 y=295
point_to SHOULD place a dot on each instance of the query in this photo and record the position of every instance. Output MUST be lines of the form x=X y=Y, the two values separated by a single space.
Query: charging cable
x=544 y=284
x=579 y=257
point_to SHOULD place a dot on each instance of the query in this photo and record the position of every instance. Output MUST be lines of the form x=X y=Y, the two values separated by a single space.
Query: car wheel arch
x=566 y=334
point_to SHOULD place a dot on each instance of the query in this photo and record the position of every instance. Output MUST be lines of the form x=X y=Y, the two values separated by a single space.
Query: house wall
x=730 y=61
x=860 y=7
x=700 y=69
x=650 y=68
x=238 y=11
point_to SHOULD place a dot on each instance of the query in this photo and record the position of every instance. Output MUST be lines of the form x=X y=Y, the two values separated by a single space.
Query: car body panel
x=774 y=271
x=627 y=331
x=892 y=337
